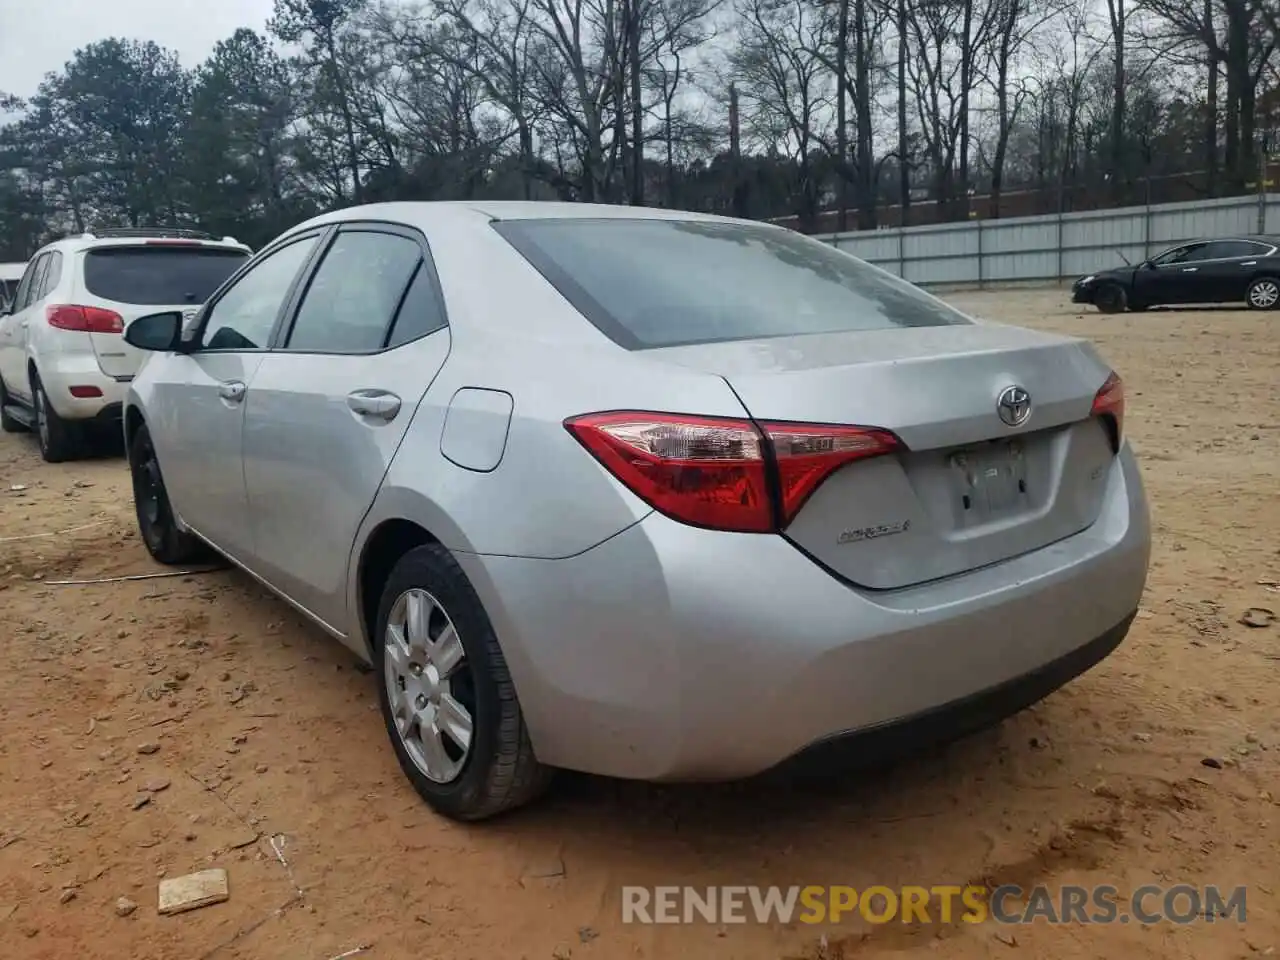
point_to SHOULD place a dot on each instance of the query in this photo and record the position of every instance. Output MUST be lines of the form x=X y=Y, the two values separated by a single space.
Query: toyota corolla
x=641 y=493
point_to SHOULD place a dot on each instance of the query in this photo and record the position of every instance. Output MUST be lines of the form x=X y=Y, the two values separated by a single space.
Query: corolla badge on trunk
x=874 y=533
x=1014 y=405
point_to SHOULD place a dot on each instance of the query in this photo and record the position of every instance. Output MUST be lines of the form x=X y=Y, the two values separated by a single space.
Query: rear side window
x=664 y=283
x=52 y=275
x=158 y=275
x=355 y=292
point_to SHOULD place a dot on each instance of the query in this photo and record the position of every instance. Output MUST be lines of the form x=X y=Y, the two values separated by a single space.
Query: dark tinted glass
x=349 y=305
x=1184 y=254
x=420 y=313
x=1226 y=249
x=659 y=283
x=155 y=275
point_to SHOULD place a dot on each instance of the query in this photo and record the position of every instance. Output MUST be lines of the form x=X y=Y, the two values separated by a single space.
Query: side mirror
x=156 y=331
x=1146 y=265
x=5 y=308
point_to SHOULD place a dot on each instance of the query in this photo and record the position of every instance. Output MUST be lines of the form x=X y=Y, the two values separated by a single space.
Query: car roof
x=432 y=213
x=1252 y=237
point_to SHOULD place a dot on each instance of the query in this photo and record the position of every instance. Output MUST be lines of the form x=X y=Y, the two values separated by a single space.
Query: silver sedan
x=641 y=493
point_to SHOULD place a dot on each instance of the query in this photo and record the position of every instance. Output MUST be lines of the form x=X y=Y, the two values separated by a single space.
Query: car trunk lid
x=969 y=489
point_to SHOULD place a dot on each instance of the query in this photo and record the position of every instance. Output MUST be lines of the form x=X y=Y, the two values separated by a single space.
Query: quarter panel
x=548 y=497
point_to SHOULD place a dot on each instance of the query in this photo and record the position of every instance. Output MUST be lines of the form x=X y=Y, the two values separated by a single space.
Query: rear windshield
x=155 y=276
x=664 y=283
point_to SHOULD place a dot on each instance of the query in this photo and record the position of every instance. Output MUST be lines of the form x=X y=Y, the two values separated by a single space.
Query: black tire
x=7 y=423
x=499 y=771
x=159 y=531
x=1111 y=298
x=1264 y=294
x=60 y=440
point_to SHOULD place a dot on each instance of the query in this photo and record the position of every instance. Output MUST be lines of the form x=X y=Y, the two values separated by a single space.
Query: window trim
x=196 y=344
x=284 y=329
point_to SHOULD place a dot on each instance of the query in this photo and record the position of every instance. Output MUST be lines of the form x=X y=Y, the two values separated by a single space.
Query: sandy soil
x=236 y=724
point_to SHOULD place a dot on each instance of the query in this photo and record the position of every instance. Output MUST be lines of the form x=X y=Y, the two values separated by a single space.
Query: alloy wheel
x=429 y=686
x=1264 y=294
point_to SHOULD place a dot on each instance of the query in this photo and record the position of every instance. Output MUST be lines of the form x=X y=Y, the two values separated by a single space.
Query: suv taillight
x=86 y=319
x=1108 y=404
x=724 y=473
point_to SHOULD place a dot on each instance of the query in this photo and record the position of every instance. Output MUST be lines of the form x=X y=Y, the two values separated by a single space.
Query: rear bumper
x=878 y=744
x=673 y=653
x=60 y=372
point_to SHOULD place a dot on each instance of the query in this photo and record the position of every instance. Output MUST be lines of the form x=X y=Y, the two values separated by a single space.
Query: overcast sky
x=37 y=36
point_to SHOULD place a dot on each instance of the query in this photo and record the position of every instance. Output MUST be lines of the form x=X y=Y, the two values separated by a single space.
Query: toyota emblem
x=1014 y=405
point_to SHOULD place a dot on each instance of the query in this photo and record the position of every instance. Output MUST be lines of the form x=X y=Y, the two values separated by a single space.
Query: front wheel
x=165 y=542
x=1264 y=294
x=447 y=698
x=1111 y=298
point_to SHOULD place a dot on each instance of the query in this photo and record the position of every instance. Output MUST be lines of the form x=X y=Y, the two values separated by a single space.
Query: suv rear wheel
x=60 y=439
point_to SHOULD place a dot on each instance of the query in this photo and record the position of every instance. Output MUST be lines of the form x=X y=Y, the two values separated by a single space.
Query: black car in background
x=1239 y=270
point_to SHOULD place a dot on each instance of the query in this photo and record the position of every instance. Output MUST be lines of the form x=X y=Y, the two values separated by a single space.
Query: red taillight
x=718 y=472
x=809 y=453
x=85 y=319
x=1109 y=403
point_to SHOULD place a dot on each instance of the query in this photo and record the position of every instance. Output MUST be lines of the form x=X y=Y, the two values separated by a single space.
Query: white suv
x=64 y=364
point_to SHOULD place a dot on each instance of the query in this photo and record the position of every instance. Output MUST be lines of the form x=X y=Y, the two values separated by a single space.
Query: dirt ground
x=161 y=726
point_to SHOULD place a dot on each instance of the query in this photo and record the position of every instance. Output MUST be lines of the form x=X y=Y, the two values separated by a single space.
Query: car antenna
x=1124 y=258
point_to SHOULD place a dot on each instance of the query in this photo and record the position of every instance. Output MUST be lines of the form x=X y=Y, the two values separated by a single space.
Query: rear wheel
x=1264 y=293
x=60 y=439
x=447 y=698
x=1111 y=298
x=156 y=523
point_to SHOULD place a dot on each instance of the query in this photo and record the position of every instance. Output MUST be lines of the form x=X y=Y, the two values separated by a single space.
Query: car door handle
x=231 y=390
x=378 y=404
x=1251 y=263
x=1190 y=269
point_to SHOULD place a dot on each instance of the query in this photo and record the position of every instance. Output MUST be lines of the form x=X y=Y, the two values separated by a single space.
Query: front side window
x=649 y=283
x=1179 y=255
x=244 y=316
x=351 y=300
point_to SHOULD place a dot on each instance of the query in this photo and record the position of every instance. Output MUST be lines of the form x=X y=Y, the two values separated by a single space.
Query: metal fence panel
x=1051 y=248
